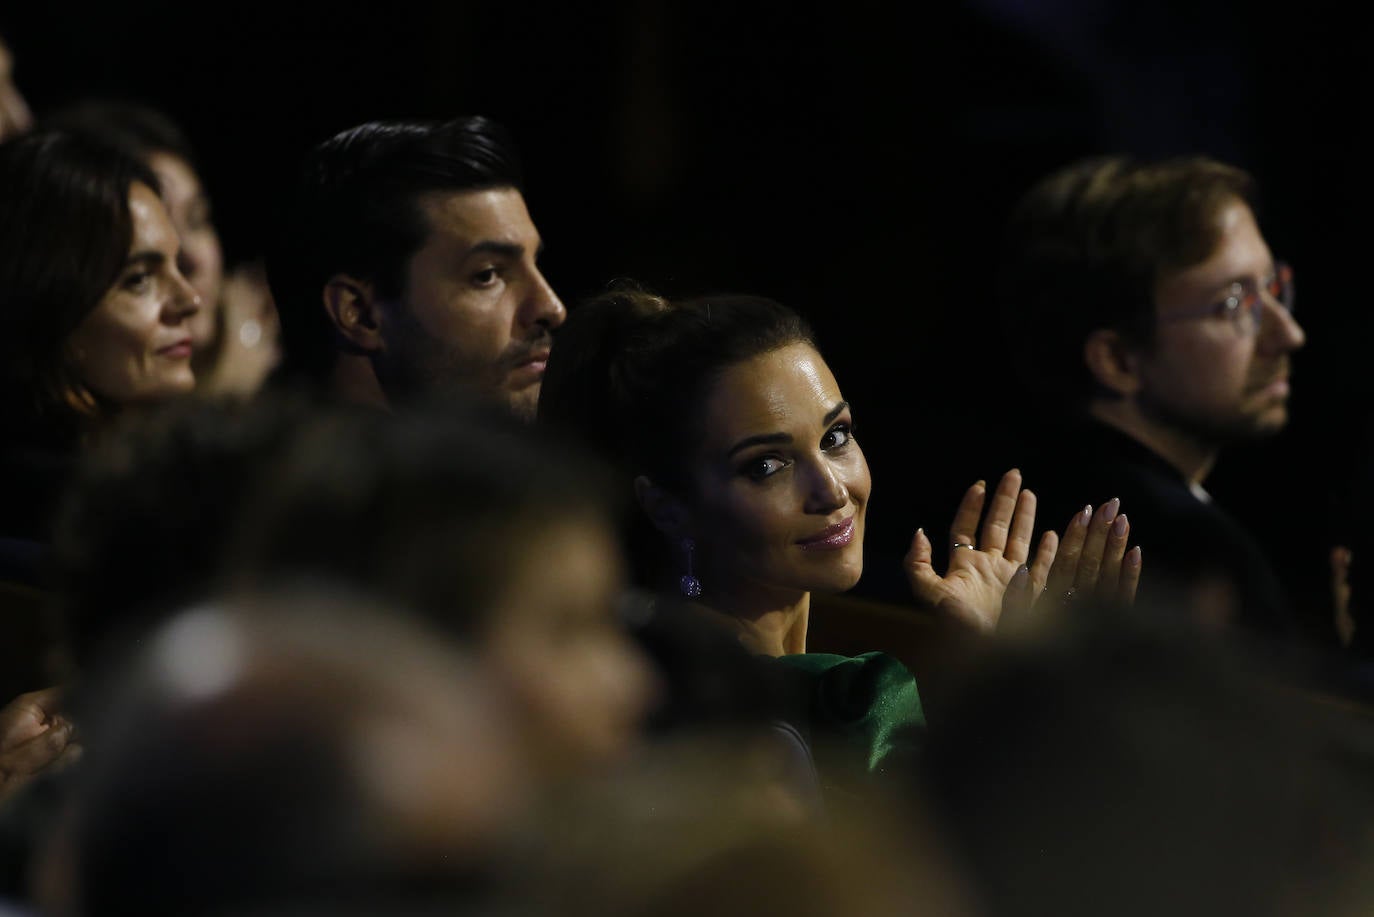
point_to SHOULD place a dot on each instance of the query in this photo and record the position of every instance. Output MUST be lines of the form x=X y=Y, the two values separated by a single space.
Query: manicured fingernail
x=980 y=483
x=1133 y=557
x=1086 y=516
x=1120 y=527
x=1109 y=511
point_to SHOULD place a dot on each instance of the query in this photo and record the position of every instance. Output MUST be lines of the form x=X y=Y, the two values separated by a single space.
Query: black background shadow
x=853 y=160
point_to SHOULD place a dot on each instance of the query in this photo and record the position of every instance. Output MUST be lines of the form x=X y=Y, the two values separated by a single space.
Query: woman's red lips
x=831 y=537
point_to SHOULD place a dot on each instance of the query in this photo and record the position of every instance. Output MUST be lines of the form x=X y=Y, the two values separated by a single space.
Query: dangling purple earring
x=689 y=584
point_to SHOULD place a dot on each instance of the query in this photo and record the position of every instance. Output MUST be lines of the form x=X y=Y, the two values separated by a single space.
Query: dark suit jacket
x=1188 y=542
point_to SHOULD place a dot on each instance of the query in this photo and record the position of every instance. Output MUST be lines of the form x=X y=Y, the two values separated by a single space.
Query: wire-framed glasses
x=1243 y=305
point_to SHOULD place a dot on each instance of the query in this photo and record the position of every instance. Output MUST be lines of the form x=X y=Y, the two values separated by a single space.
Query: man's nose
x=1279 y=330
x=542 y=305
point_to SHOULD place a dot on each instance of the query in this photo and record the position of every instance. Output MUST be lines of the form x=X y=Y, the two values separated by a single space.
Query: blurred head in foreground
x=497 y=536
x=1112 y=770
x=275 y=749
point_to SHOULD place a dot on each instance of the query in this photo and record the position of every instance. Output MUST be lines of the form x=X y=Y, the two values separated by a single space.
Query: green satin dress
x=862 y=714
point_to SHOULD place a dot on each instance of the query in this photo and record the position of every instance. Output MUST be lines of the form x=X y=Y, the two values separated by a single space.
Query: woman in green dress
x=741 y=450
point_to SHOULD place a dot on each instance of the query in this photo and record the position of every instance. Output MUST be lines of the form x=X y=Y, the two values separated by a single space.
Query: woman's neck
x=768 y=622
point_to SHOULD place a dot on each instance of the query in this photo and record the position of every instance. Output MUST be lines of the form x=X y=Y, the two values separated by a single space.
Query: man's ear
x=668 y=514
x=1113 y=362
x=352 y=308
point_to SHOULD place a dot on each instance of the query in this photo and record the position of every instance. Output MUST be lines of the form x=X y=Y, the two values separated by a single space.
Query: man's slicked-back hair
x=1086 y=247
x=357 y=210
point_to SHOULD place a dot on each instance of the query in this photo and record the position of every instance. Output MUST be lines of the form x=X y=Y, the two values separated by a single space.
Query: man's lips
x=529 y=366
x=830 y=538
x=539 y=356
x=1277 y=385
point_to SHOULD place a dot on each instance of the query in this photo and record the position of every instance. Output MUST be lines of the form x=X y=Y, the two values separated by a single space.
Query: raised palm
x=982 y=559
x=990 y=567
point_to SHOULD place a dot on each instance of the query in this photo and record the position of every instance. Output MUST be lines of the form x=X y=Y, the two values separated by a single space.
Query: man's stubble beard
x=419 y=369
x=1237 y=428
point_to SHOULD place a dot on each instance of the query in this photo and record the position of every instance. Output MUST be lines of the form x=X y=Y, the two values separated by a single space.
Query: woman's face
x=781 y=485
x=135 y=345
x=201 y=261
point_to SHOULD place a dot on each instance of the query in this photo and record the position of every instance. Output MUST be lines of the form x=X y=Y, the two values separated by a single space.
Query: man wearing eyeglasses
x=1157 y=328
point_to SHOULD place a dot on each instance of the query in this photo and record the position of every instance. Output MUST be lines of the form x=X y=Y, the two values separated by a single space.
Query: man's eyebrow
x=762 y=439
x=1222 y=289
x=495 y=247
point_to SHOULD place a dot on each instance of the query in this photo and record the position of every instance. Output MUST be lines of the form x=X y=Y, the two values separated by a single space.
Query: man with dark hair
x=1143 y=299
x=406 y=265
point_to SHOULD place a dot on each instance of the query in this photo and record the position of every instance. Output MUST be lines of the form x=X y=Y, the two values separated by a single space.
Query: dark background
x=854 y=160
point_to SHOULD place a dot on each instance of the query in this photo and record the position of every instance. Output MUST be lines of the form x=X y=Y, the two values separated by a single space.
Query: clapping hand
x=991 y=571
x=1090 y=564
x=982 y=559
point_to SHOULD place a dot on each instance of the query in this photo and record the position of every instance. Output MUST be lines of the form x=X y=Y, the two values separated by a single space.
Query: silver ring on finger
x=959 y=544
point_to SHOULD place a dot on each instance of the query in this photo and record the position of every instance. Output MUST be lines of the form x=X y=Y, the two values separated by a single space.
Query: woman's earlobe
x=664 y=510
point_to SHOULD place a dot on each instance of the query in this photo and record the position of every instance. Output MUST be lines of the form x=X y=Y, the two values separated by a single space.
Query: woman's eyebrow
x=150 y=259
x=762 y=439
x=768 y=439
